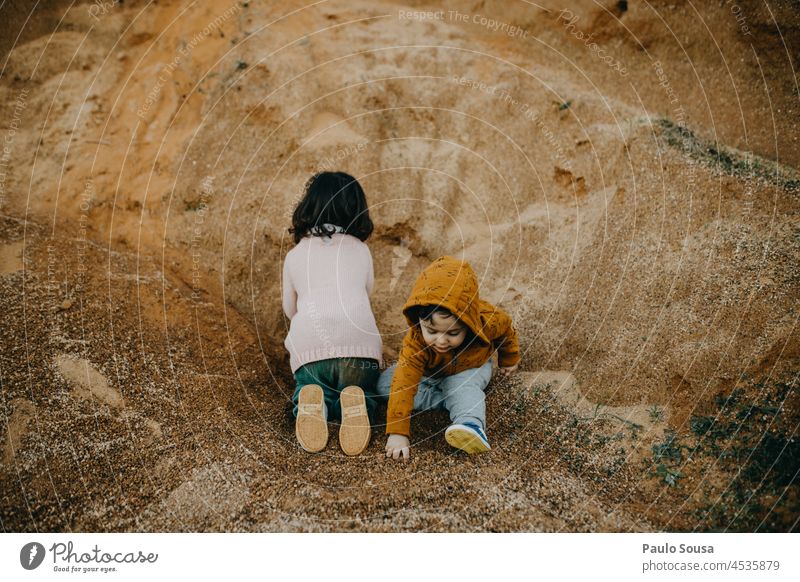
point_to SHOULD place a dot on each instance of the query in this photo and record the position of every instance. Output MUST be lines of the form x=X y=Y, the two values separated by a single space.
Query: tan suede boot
x=311 y=425
x=355 y=430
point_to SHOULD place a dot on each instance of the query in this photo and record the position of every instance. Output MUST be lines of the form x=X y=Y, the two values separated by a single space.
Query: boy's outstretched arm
x=405 y=383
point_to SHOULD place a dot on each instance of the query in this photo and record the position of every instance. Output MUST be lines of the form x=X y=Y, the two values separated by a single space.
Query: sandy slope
x=156 y=155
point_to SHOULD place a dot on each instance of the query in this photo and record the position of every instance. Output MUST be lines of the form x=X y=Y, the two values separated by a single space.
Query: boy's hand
x=506 y=372
x=397 y=446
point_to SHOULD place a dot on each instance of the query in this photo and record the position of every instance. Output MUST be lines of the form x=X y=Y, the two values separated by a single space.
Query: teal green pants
x=334 y=375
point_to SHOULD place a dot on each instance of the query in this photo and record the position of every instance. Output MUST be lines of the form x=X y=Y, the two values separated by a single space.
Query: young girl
x=333 y=342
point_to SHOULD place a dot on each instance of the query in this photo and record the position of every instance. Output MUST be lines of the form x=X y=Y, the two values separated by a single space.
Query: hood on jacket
x=452 y=284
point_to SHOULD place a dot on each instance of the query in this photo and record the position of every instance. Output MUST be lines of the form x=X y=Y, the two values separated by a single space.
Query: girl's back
x=328 y=276
x=327 y=283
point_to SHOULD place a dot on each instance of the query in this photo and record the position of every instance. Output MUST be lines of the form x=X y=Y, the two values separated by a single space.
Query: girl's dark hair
x=332 y=198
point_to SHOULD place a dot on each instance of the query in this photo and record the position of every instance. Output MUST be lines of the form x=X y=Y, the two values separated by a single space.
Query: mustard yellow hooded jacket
x=452 y=284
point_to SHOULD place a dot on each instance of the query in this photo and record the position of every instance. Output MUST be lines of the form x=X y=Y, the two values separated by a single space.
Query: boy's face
x=443 y=332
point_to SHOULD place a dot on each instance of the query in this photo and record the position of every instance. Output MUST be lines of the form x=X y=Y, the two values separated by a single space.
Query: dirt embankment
x=631 y=199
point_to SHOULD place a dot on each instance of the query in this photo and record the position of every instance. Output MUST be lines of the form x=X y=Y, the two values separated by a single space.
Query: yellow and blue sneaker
x=468 y=437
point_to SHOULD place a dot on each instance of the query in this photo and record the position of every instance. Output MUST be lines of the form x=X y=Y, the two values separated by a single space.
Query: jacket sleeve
x=409 y=371
x=504 y=339
x=289 y=292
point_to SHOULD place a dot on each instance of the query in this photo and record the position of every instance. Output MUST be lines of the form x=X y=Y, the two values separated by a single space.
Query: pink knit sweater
x=326 y=286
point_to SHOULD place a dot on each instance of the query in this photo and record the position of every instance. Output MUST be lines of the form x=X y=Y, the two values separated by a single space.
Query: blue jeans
x=462 y=394
x=334 y=375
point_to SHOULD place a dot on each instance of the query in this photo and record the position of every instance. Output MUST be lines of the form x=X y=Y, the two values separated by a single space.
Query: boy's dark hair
x=332 y=198
x=425 y=312
x=420 y=313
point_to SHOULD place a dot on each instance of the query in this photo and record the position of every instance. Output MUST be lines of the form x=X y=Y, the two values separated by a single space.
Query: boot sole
x=311 y=429
x=355 y=431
